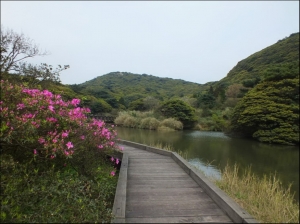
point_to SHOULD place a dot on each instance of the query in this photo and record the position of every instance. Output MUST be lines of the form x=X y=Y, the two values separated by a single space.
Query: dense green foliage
x=179 y=110
x=56 y=194
x=270 y=111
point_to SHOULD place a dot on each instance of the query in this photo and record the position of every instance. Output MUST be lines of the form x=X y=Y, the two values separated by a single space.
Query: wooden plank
x=146 y=156
x=149 y=197
x=179 y=191
x=146 y=191
x=182 y=219
x=156 y=165
x=163 y=183
x=171 y=205
x=153 y=212
x=133 y=173
x=163 y=169
x=167 y=204
x=157 y=178
x=152 y=161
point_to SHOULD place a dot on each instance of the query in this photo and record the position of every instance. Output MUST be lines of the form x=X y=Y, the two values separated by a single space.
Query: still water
x=210 y=152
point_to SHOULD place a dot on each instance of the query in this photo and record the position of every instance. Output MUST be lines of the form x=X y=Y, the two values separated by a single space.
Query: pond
x=211 y=151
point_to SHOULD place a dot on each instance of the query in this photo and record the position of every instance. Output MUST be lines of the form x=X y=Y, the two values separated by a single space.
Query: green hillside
x=125 y=88
x=269 y=112
x=251 y=70
x=285 y=51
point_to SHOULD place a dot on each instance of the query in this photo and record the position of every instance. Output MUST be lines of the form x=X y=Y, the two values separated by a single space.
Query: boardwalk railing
x=230 y=207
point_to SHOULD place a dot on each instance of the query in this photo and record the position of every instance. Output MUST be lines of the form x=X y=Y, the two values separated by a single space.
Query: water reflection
x=217 y=149
x=207 y=169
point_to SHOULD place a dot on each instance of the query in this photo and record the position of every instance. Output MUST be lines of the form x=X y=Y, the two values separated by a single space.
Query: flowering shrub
x=37 y=122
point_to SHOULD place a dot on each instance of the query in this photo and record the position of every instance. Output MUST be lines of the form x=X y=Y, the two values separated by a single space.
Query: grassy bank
x=264 y=198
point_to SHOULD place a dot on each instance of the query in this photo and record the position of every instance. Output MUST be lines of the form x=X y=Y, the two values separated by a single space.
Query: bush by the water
x=172 y=123
x=149 y=123
x=146 y=120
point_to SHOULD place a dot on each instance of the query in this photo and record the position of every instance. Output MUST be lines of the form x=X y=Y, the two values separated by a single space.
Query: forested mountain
x=123 y=88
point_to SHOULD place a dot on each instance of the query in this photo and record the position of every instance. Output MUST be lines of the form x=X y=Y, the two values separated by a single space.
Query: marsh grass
x=147 y=120
x=264 y=198
x=172 y=123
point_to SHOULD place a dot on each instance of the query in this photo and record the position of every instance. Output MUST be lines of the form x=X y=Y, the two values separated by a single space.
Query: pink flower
x=51 y=119
x=41 y=140
x=51 y=108
x=54 y=140
x=52 y=156
x=75 y=102
x=82 y=137
x=66 y=153
x=117 y=161
x=47 y=93
x=112 y=173
x=20 y=106
x=112 y=159
x=100 y=146
x=34 y=152
x=65 y=134
x=69 y=145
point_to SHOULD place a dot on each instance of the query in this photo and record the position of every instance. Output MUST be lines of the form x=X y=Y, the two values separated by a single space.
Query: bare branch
x=15 y=48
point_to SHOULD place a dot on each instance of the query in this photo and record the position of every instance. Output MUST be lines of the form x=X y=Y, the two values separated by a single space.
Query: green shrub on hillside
x=270 y=112
x=179 y=110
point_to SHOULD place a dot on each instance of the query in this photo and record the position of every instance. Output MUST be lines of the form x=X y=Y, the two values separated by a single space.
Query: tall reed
x=264 y=198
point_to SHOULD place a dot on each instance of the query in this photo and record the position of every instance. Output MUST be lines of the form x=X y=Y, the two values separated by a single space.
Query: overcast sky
x=197 y=41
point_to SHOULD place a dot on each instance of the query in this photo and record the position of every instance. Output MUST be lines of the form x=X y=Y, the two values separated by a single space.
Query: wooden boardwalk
x=159 y=190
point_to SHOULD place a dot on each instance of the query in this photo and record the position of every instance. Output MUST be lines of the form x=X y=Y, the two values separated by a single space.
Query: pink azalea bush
x=42 y=124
